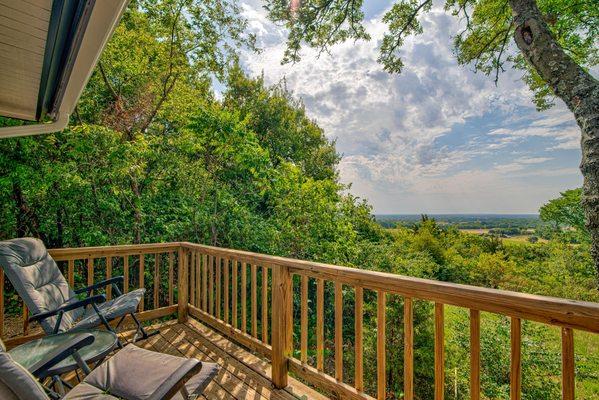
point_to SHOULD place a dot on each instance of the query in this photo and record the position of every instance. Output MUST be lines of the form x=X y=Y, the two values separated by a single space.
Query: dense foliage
x=154 y=155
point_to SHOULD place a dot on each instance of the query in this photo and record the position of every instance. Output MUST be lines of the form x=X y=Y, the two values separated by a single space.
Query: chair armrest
x=175 y=382
x=65 y=350
x=111 y=281
x=99 y=298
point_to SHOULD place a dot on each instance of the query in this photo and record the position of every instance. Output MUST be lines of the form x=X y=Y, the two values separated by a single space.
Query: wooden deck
x=243 y=375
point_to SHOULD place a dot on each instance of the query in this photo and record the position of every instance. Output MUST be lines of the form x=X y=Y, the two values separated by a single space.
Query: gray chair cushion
x=126 y=374
x=115 y=308
x=38 y=280
x=85 y=391
x=16 y=383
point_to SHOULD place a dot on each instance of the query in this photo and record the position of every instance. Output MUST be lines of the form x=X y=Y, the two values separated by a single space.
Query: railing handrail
x=67 y=253
x=568 y=313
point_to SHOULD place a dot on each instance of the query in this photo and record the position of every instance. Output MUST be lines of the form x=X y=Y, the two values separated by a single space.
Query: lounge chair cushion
x=38 y=280
x=85 y=391
x=126 y=373
x=115 y=308
x=16 y=383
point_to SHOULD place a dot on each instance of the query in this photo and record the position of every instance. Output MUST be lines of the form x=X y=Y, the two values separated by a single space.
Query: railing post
x=282 y=324
x=182 y=280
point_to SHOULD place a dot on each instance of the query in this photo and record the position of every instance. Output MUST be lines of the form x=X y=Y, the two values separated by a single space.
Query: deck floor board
x=243 y=375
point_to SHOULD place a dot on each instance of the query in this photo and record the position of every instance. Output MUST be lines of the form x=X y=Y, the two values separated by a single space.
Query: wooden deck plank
x=243 y=375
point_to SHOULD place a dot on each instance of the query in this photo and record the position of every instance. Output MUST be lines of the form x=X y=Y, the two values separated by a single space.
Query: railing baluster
x=304 y=320
x=218 y=286
x=282 y=320
x=338 y=331
x=265 y=304
x=198 y=267
x=211 y=285
x=568 y=383
x=381 y=354
x=71 y=272
x=474 y=354
x=126 y=273
x=25 y=317
x=408 y=371
x=359 y=350
x=244 y=316
x=1 y=303
x=439 y=351
x=205 y=282
x=515 y=365
x=182 y=286
x=234 y=306
x=142 y=272
x=254 y=302
x=171 y=278
x=90 y=271
x=192 y=278
x=156 y=280
x=320 y=324
x=226 y=294
x=108 y=276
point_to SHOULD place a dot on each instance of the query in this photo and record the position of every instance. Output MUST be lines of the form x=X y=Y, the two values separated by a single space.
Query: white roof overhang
x=48 y=50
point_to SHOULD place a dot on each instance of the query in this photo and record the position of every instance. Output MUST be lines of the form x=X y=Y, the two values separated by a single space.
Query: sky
x=438 y=138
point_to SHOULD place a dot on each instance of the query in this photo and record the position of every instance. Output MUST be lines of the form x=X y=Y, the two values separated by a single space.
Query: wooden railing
x=249 y=298
x=219 y=287
x=84 y=266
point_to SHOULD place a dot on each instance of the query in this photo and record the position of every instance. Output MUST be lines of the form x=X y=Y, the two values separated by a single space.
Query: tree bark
x=577 y=88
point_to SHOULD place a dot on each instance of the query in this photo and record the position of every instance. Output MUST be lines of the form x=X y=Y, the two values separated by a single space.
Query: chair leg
x=141 y=333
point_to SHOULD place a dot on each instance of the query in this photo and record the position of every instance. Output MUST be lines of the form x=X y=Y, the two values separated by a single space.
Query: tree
x=556 y=42
x=566 y=210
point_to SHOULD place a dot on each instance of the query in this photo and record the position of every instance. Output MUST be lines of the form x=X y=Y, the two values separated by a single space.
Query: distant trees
x=555 y=47
x=566 y=212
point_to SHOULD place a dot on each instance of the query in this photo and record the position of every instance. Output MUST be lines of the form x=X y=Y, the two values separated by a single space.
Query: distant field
x=477 y=231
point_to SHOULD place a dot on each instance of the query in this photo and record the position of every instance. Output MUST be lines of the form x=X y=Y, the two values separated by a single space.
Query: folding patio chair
x=51 y=301
x=131 y=374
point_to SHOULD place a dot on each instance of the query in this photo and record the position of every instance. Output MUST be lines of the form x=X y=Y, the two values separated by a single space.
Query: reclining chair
x=53 y=303
x=131 y=374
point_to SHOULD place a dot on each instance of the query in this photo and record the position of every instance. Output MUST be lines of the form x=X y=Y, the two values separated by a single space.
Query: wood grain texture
x=568 y=379
x=125 y=274
x=282 y=320
x=264 y=319
x=304 y=321
x=320 y=324
x=171 y=278
x=192 y=278
x=408 y=326
x=71 y=273
x=108 y=276
x=142 y=273
x=182 y=286
x=156 y=298
x=211 y=285
x=254 y=295
x=218 y=267
x=235 y=269
x=516 y=359
x=338 y=331
x=244 y=283
x=205 y=282
x=227 y=304
x=439 y=351
x=381 y=354
x=359 y=340
x=474 y=355
x=90 y=271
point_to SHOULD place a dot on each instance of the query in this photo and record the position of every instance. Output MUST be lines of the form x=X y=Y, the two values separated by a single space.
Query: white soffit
x=23 y=32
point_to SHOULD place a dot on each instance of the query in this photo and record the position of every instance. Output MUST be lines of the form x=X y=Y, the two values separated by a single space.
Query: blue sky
x=436 y=139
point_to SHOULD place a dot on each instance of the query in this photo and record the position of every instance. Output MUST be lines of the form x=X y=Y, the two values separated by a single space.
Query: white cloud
x=387 y=126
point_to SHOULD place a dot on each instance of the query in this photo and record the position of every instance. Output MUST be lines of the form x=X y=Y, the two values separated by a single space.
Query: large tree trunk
x=577 y=88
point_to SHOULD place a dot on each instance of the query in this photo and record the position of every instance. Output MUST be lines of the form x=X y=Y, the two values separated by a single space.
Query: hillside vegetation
x=153 y=155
